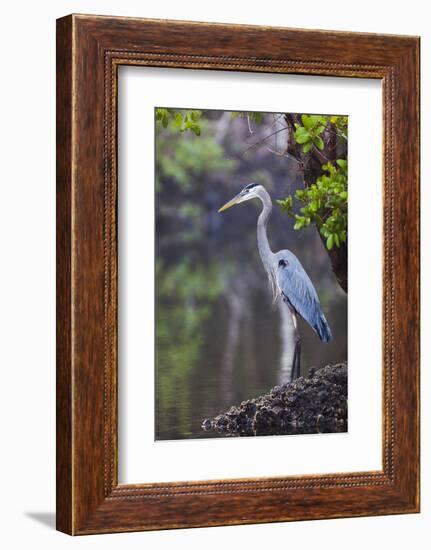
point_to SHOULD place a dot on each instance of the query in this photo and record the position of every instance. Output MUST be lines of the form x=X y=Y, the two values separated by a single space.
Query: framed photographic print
x=237 y=274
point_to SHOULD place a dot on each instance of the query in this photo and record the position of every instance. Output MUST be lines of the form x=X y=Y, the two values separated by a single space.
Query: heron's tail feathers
x=322 y=329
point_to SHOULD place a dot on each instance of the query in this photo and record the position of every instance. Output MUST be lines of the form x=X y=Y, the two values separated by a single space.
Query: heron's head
x=250 y=191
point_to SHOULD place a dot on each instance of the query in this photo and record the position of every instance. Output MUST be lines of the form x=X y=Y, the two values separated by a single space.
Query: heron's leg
x=298 y=357
x=296 y=363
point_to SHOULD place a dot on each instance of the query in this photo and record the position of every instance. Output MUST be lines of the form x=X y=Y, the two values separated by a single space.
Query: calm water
x=219 y=339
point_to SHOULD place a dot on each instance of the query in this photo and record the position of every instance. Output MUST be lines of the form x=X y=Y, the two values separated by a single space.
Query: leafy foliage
x=254 y=116
x=339 y=124
x=182 y=120
x=323 y=203
x=309 y=133
x=313 y=126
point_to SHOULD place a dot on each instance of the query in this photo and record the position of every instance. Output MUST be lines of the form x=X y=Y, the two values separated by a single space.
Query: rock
x=307 y=405
x=207 y=425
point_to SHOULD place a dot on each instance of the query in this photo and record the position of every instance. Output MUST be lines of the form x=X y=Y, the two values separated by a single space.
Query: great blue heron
x=287 y=277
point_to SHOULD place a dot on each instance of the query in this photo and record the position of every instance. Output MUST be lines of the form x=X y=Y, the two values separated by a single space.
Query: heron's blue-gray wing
x=298 y=291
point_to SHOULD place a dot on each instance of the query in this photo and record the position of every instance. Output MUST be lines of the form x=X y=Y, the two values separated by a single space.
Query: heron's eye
x=283 y=263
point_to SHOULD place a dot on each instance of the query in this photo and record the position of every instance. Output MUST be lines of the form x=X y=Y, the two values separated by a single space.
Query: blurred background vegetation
x=219 y=339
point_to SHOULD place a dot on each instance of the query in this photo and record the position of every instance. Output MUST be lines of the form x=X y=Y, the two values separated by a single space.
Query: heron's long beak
x=232 y=202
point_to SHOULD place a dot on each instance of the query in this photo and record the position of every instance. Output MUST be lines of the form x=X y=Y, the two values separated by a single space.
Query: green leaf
x=285 y=204
x=330 y=242
x=300 y=221
x=301 y=135
x=319 y=143
x=307 y=121
x=178 y=120
x=307 y=146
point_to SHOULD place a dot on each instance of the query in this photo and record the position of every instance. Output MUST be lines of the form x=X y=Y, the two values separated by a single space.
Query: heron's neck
x=262 y=222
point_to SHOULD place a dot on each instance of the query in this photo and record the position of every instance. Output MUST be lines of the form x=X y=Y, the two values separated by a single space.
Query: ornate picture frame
x=89 y=51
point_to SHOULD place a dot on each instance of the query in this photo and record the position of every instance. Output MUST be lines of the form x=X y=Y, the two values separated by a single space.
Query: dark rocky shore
x=316 y=404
